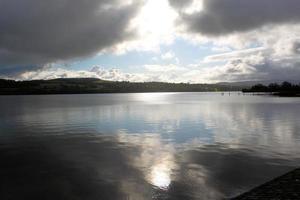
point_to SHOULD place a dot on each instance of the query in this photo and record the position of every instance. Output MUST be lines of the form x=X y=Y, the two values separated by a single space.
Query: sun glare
x=196 y=6
x=160 y=176
x=156 y=18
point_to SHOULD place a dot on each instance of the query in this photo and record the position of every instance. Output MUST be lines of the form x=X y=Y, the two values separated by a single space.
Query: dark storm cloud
x=36 y=32
x=12 y=71
x=220 y=17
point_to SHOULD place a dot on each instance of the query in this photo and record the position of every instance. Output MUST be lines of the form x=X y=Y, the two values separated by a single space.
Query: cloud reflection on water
x=169 y=146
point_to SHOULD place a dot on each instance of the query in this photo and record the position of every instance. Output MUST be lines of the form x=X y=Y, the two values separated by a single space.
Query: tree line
x=283 y=89
x=91 y=85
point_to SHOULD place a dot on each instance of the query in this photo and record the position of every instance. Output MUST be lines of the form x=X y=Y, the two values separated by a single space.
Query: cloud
x=164 y=68
x=252 y=70
x=155 y=26
x=234 y=54
x=34 y=33
x=276 y=61
x=180 y=3
x=280 y=61
x=94 y=72
x=220 y=49
x=168 y=55
x=255 y=64
x=221 y=17
x=163 y=73
x=260 y=38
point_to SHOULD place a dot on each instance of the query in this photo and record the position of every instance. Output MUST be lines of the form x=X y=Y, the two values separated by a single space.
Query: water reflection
x=160 y=176
x=144 y=146
x=154 y=158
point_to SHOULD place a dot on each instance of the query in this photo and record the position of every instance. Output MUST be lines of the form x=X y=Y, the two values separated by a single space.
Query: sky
x=195 y=41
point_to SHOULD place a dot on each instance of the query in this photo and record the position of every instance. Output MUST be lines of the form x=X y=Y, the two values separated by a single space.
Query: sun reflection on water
x=155 y=158
x=160 y=176
x=152 y=97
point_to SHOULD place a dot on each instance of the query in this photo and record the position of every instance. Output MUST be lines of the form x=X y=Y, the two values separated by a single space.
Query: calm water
x=144 y=146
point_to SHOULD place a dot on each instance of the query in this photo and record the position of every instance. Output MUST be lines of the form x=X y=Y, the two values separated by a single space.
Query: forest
x=283 y=89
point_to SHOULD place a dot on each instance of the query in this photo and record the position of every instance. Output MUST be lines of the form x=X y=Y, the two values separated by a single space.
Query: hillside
x=92 y=85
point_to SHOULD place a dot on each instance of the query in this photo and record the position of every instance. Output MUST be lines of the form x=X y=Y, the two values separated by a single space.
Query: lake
x=145 y=145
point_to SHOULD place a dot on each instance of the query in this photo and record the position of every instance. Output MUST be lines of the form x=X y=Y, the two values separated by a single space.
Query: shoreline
x=286 y=186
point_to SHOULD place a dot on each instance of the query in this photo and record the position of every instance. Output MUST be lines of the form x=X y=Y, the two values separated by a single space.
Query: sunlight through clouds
x=194 y=41
x=156 y=18
x=154 y=25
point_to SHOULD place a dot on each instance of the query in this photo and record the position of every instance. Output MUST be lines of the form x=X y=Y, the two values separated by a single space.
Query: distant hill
x=93 y=85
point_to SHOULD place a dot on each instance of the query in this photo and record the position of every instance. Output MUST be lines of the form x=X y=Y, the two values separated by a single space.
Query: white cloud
x=221 y=49
x=239 y=54
x=168 y=55
x=163 y=73
x=164 y=68
x=94 y=72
